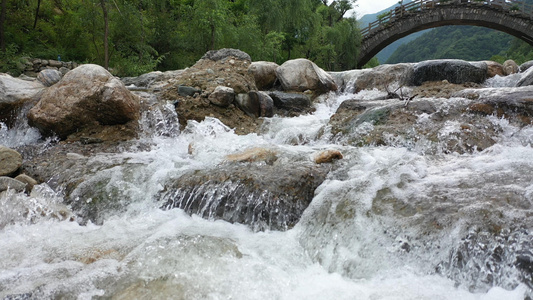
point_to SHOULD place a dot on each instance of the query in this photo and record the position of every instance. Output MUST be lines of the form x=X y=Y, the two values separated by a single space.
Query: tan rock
x=86 y=96
x=328 y=156
x=254 y=155
x=10 y=161
x=30 y=182
x=494 y=69
x=510 y=67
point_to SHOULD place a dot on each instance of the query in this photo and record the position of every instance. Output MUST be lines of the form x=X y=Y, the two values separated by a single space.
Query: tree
x=106 y=34
x=2 y=24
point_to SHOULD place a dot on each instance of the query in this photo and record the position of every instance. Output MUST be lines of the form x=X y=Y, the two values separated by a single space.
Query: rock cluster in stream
x=91 y=112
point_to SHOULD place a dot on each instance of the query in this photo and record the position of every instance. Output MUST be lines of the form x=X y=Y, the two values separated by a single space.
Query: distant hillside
x=384 y=55
x=460 y=42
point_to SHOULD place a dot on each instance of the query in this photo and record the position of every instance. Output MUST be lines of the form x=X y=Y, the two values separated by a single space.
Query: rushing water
x=389 y=223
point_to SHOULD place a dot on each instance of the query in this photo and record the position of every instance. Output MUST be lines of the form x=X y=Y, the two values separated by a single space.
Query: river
x=390 y=222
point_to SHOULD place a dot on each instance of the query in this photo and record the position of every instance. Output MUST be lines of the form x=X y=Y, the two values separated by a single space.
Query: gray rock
x=291 y=101
x=222 y=96
x=185 y=91
x=221 y=54
x=264 y=74
x=527 y=78
x=260 y=195
x=49 y=77
x=525 y=66
x=300 y=75
x=14 y=93
x=10 y=183
x=10 y=161
x=454 y=71
x=256 y=104
x=143 y=81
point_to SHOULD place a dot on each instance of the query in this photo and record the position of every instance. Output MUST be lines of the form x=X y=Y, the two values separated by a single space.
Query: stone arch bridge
x=512 y=17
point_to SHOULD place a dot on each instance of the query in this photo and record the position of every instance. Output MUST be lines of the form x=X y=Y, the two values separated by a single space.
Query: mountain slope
x=460 y=42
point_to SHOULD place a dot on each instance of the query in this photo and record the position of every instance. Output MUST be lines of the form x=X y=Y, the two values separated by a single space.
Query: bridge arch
x=512 y=17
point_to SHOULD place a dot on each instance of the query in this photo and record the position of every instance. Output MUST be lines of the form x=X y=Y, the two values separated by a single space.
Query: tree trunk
x=213 y=32
x=2 y=23
x=37 y=14
x=106 y=34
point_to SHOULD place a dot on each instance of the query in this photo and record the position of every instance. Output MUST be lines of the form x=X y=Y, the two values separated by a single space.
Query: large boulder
x=14 y=93
x=10 y=161
x=86 y=96
x=454 y=71
x=300 y=75
x=384 y=77
x=264 y=73
x=266 y=197
x=527 y=78
x=222 y=54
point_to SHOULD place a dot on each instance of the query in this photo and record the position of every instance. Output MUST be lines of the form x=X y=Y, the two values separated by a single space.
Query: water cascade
x=401 y=216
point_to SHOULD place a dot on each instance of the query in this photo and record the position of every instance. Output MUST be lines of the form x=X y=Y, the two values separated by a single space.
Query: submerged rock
x=454 y=71
x=86 y=96
x=291 y=103
x=300 y=75
x=254 y=155
x=10 y=161
x=266 y=197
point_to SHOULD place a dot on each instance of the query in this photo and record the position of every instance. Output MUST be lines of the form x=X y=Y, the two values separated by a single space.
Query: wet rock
x=86 y=96
x=49 y=77
x=328 y=156
x=525 y=66
x=14 y=94
x=264 y=74
x=144 y=80
x=30 y=182
x=256 y=104
x=10 y=161
x=300 y=75
x=510 y=67
x=454 y=71
x=437 y=125
x=494 y=69
x=291 y=102
x=254 y=155
x=384 y=77
x=222 y=96
x=262 y=196
x=216 y=55
x=10 y=183
x=527 y=78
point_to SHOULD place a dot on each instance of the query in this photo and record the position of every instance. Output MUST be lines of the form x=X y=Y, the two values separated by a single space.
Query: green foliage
x=10 y=61
x=147 y=35
x=374 y=62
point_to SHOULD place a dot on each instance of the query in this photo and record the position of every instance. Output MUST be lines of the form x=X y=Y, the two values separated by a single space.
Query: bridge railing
x=512 y=6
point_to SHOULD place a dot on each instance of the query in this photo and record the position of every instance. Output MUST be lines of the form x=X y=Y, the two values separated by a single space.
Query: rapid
x=396 y=221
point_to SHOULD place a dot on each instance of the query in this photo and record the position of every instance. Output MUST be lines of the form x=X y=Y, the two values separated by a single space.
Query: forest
x=131 y=37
